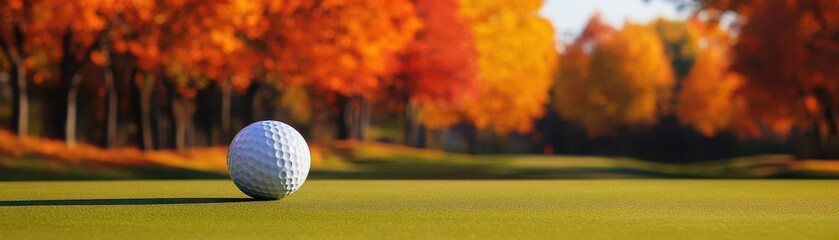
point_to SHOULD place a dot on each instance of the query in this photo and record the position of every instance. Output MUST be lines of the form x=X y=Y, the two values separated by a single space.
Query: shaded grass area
x=373 y=160
x=429 y=209
x=366 y=160
x=30 y=168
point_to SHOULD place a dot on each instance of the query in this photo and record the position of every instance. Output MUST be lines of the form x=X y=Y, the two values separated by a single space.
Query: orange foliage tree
x=66 y=32
x=626 y=80
x=14 y=38
x=73 y=31
x=155 y=34
x=189 y=44
x=215 y=48
x=61 y=33
x=571 y=83
x=707 y=99
x=345 y=47
x=139 y=32
x=117 y=15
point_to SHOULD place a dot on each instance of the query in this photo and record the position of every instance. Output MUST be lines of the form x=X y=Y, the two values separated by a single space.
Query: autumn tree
x=786 y=52
x=183 y=46
x=118 y=16
x=625 y=81
x=76 y=28
x=66 y=35
x=216 y=49
x=572 y=82
x=14 y=43
x=439 y=66
x=516 y=62
x=708 y=99
x=344 y=47
x=681 y=44
x=149 y=33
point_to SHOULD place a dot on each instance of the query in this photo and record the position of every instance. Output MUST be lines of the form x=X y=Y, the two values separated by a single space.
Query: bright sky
x=569 y=16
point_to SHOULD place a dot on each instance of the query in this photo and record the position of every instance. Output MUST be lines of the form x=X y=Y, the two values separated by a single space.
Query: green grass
x=430 y=209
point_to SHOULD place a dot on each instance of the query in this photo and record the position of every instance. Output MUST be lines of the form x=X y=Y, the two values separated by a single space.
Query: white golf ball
x=268 y=160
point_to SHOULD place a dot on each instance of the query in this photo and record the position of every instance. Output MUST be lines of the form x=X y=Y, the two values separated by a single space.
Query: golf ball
x=268 y=160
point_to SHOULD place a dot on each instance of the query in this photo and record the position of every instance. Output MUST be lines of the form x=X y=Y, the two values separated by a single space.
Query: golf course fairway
x=426 y=209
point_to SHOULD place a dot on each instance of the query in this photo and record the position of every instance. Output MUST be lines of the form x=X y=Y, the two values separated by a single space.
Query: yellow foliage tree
x=629 y=82
x=516 y=63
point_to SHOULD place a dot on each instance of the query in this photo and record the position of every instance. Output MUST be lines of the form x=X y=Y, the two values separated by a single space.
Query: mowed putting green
x=429 y=209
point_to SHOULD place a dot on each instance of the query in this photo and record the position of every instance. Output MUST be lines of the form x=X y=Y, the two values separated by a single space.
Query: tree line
x=349 y=53
x=163 y=73
x=768 y=72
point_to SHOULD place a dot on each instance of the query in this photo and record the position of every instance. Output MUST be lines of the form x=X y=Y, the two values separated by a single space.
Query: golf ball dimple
x=268 y=160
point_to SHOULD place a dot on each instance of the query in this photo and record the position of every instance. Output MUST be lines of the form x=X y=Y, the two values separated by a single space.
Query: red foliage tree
x=440 y=66
x=787 y=53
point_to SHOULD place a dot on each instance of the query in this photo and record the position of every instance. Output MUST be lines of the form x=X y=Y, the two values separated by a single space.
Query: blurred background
x=113 y=89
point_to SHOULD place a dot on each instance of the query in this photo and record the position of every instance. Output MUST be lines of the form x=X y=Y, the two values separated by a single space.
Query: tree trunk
x=70 y=79
x=166 y=133
x=830 y=142
x=112 y=105
x=182 y=112
x=362 y=117
x=257 y=107
x=145 y=113
x=414 y=131
x=69 y=67
x=226 y=95
x=20 y=106
x=342 y=127
x=355 y=118
x=471 y=136
x=20 y=94
x=813 y=149
x=72 y=103
x=441 y=138
x=179 y=112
